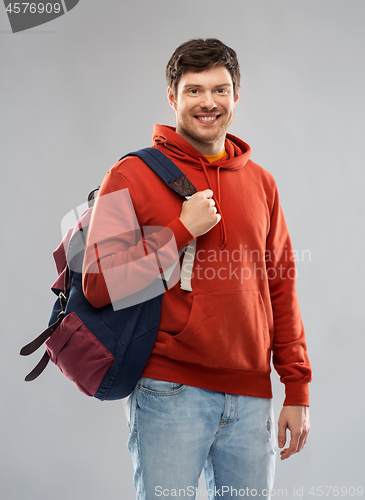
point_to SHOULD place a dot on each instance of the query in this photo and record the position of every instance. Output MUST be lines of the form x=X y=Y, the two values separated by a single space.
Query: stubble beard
x=201 y=141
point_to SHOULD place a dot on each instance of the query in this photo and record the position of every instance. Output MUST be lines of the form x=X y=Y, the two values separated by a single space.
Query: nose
x=207 y=101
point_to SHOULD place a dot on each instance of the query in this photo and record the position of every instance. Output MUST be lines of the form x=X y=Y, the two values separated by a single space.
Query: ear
x=171 y=98
x=237 y=96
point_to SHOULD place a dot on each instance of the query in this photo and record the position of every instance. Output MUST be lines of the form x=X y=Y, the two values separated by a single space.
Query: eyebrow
x=198 y=85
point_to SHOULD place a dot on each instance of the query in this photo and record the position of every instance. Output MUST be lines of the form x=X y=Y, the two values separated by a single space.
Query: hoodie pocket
x=79 y=354
x=225 y=330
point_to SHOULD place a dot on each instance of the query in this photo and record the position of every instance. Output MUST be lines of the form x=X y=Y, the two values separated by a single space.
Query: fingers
x=304 y=437
x=199 y=213
x=209 y=195
x=302 y=443
x=206 y=196
x=293 y=447
x=297 y=443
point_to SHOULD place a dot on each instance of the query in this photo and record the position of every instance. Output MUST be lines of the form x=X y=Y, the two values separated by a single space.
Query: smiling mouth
x=208 y=118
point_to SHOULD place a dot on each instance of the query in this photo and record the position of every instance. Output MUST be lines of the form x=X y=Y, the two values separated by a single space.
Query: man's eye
x=222 y=91
x=193 y=91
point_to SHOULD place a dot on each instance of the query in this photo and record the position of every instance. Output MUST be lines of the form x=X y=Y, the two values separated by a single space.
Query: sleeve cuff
x=296 y=393
x=182 y=235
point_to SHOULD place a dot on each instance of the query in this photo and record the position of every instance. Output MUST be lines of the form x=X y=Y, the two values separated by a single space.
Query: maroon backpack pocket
x=79 y=354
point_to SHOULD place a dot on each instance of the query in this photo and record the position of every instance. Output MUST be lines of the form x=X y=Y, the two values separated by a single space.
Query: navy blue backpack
x=104 y=351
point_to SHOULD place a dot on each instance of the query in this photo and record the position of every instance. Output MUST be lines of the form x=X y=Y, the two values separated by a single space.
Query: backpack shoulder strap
x=166 y=170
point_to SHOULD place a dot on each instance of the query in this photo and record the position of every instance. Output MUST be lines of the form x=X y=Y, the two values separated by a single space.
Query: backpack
x=104 y=351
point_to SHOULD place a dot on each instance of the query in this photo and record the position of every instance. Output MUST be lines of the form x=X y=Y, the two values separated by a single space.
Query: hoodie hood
x=238 y=152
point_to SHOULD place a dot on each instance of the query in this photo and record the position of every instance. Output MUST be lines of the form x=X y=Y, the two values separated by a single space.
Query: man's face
x=204 y=105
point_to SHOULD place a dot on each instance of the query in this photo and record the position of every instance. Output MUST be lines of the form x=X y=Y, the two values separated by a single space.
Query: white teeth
x=206 y=118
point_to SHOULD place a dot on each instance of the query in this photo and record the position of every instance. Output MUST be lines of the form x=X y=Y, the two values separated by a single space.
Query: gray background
x=79 y=92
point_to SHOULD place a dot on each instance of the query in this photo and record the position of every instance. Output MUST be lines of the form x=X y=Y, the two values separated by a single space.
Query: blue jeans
x=177 y=430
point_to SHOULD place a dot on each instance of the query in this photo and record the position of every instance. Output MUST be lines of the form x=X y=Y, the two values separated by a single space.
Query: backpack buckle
x=63 y=300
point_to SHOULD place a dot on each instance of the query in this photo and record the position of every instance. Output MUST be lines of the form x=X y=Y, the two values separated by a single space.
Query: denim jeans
x=177 y=430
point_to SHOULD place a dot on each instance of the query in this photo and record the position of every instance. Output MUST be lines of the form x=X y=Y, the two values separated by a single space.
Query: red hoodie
x=243 y=307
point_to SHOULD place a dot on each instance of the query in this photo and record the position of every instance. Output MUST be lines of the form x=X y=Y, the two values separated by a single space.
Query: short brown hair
x=200 y=55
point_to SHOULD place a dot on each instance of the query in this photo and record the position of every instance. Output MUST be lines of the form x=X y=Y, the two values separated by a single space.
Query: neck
x=205 y=148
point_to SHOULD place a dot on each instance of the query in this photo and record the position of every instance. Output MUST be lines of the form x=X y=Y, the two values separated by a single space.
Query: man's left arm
x=290 y=357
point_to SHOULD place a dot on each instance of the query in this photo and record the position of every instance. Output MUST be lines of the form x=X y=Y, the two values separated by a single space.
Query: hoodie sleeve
x=121 y=256
x=290 y=357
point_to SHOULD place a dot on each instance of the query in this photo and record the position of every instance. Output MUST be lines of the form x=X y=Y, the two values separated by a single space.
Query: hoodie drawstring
x=222 y=225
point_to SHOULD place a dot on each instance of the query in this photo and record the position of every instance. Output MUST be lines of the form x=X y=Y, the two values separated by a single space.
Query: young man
x=204 y=400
